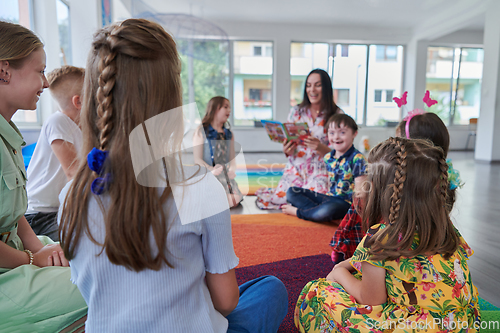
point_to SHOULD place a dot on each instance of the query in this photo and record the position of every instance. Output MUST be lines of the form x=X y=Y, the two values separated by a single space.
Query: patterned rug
x=297 y=251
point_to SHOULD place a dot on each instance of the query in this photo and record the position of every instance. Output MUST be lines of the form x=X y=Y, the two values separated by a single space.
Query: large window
x=365 y=78
x=252 y=82
x=205 y=72
x=454 y=80
x=385 y=75
x=304 y=58
x=349 y=73
x=65 y=56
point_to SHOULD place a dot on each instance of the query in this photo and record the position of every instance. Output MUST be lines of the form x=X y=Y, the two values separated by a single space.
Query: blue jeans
x=317 y=207
x=262 y=306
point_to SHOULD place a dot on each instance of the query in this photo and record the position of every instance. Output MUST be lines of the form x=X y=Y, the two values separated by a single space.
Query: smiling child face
x=340 y=138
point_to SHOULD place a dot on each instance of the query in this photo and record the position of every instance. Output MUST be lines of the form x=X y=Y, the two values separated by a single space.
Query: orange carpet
x=266 y=238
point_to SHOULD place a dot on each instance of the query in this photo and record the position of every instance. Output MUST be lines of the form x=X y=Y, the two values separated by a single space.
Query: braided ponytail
x=132 y=75
x=107 y=79
x=399 y=179
x=444 y=186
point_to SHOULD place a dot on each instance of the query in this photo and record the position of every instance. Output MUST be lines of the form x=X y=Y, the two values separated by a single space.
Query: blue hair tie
x=95 y=160
x=453 y=176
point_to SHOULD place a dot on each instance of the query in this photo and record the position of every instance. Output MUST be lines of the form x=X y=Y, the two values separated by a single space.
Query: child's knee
x=292 y=193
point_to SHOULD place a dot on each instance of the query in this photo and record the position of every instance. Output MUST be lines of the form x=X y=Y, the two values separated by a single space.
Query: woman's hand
x=217 y=170
x=289 y=147
x=50 y=255
x=315 y=144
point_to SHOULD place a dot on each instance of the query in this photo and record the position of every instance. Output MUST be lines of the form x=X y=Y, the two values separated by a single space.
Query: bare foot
x=290 y=210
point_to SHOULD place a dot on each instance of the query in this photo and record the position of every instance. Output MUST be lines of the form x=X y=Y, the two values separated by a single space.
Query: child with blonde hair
x=55 y=159
x=139 y=262
x=411 y=266
x=34 y=297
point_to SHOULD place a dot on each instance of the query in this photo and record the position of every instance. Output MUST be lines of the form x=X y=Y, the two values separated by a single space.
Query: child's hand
x=50 y=255
x=231 y=173
x=217 y=170
x=289 y=147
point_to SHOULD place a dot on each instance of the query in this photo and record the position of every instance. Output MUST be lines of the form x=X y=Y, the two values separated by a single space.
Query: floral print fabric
x=425 y=294
x=342 y=171
x=305 y=168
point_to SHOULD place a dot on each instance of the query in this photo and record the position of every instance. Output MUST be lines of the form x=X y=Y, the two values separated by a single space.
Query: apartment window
x=386 y=52
x=385 y=80
x=344 y=50
x=305 y=57
x=341 y=97
x=252 y=82
x=269 y=51
x=62 y=7
x=454 y=79
x=349 y=73
x=389 y=95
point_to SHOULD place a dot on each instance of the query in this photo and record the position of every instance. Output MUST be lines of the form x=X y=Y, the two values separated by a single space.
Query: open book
x=278 y=131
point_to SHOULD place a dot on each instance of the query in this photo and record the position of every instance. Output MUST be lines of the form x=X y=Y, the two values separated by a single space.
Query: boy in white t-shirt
x=55 y=159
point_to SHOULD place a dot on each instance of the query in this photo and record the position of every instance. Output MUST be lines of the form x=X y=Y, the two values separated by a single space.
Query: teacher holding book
x=305 y=167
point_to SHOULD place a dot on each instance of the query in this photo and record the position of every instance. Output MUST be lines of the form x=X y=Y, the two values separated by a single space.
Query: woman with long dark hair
x=305 y=167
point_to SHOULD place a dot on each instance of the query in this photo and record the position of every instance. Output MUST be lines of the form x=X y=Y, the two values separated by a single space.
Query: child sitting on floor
x=420 y=126
x=149 y=251
x=216 y=152
x=411 y=267
x=54 y=160
x=346 y=169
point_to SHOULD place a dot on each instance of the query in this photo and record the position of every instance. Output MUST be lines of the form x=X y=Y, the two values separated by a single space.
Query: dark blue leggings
x=317 y=207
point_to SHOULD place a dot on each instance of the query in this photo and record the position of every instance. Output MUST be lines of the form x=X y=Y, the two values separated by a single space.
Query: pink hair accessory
x=401 y=101
x=428 y=100
x=408 y=117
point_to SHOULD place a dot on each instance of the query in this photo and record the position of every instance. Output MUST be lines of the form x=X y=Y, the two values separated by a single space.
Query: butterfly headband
x=402 y=101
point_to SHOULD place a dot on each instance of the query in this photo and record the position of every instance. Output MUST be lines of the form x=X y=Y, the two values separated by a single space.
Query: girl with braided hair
x=143 y=253
x=409 y=273
x=35 y=296
x=416 y=125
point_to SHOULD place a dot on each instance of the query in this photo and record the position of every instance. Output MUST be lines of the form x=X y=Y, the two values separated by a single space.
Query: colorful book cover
x=278 y=131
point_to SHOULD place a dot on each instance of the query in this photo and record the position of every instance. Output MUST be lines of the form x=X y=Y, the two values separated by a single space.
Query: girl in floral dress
x=305 y=167
x=427 y=126
x=411 y=272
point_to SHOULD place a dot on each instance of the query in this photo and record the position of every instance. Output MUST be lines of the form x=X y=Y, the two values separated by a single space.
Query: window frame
x=255 y=42
x=331 y=65
x=453 y=101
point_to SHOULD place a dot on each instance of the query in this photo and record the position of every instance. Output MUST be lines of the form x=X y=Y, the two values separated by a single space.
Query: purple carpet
x=294 y=273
